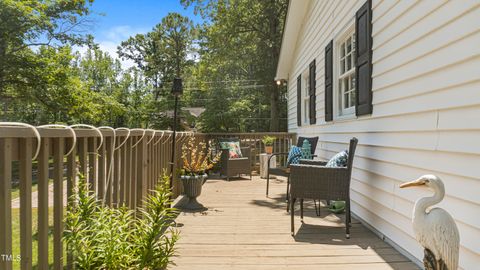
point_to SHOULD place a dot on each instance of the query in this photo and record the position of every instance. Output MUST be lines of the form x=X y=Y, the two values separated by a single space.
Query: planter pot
x=192 y=186
x=269 y=149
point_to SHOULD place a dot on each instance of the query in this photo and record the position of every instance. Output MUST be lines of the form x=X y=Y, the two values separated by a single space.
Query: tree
x=162 y=55
x=241 y=42
x=31 y=23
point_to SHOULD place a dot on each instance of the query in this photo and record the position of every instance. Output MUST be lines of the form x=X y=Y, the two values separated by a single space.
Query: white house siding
x=426 y=111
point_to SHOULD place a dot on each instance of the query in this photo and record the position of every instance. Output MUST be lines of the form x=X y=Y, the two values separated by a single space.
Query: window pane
x=349 y=62
x=352 y=98
x=353 y=81
x=342 y=66
x=342 y=54
x=346 y=101
x=349 y=45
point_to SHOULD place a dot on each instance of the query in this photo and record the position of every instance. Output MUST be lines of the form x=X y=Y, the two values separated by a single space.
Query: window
x=345 y=59
x=306 y=97
x=348 y=68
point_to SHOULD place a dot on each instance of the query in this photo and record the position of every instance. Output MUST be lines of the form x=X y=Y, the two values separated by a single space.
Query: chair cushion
x=338 y=160
x=233 y=147
x=294 y=155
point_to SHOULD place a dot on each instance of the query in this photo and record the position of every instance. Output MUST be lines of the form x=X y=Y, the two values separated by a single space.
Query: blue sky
x=124 y=18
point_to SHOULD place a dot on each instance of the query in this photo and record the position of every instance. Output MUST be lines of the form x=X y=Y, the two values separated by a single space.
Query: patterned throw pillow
x=306 y=150
x=233 y=147
x=294 y=155
x=339 y=160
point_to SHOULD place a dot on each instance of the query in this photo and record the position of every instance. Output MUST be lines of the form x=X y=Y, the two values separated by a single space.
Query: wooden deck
x=242 y=229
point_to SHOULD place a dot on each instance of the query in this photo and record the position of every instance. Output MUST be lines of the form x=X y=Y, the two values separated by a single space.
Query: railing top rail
x=24 y=132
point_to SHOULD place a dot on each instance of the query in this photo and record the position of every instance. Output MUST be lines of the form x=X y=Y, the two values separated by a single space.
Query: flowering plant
x=196 y=158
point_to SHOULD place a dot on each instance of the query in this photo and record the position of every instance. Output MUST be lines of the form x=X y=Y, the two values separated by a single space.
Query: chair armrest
x=313 y=162
x=246 y=152
x=224 y=155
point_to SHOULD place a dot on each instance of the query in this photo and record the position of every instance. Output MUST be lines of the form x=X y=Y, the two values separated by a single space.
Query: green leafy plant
x=102 y=237
x=268 y=140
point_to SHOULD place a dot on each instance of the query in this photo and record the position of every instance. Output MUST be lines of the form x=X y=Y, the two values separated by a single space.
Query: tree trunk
x=274 y=121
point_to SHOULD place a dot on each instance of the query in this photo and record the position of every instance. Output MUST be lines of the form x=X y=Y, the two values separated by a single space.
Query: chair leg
x=292 y=205
x=288 y=205
x=349 y=214
x=268 y=182
x=347 y=220
x=301 y=209
x=288 y=187
x=317 y=209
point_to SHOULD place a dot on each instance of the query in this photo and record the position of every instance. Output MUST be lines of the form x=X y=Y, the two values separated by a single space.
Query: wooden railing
x=121 y=167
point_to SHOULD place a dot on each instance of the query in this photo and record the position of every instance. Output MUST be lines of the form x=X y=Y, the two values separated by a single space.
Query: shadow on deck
x=242 y=229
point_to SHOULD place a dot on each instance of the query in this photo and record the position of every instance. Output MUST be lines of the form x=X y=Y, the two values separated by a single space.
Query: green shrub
x=102 y=237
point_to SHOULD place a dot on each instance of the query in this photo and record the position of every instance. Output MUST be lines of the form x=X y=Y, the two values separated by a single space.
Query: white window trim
x=305 y=98
x=339 y=38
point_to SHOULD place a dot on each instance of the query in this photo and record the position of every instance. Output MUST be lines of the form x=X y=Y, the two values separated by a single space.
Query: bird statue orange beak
x=418 y=182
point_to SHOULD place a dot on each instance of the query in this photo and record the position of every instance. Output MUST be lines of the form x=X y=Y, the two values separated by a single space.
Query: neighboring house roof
x=194 y=111
x=293 y=24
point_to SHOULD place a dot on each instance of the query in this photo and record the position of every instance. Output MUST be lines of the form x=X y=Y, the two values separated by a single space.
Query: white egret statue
x=435 y=229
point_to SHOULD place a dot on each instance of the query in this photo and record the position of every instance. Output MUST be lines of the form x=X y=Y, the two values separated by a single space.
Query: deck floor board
x=242 y=229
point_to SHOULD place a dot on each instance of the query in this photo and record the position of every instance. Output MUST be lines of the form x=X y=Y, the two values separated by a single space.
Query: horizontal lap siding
x=426 y=116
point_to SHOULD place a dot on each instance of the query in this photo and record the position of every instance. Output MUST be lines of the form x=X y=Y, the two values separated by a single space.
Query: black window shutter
x=363 y=68
x=311 y=92
x=299 y=100
x=329 y=82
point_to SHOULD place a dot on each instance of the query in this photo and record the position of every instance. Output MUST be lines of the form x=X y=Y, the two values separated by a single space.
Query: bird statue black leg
x=429 y=261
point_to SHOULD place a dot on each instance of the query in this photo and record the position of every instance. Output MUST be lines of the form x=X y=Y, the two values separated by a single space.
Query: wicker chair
x=312 y=180
x=285 y=170
x=235 y=166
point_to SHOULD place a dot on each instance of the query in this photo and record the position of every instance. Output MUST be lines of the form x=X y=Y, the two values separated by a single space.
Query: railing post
x=5 y=201
x=43 y=176
x=26 y=202
x=142 y=164
x=58 y=203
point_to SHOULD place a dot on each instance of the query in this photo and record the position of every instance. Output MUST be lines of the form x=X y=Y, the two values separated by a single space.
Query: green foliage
x=239 y=50
x=268 y=140
x=101 y=237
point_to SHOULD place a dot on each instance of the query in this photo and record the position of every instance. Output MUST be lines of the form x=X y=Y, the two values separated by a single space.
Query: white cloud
x=109 y=40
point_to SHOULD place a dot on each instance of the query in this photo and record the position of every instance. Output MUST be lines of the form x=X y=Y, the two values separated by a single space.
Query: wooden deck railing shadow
x=121 y=167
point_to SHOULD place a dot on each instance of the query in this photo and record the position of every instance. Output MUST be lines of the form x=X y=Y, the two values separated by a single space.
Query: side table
x=264 y=166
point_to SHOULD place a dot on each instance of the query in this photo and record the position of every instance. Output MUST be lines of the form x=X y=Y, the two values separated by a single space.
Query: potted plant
x=268 y=142
x=197 y=160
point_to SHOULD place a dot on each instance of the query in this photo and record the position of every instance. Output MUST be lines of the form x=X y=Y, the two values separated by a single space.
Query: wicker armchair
x=285 y=170
x=312 y=180
x=235 y=166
